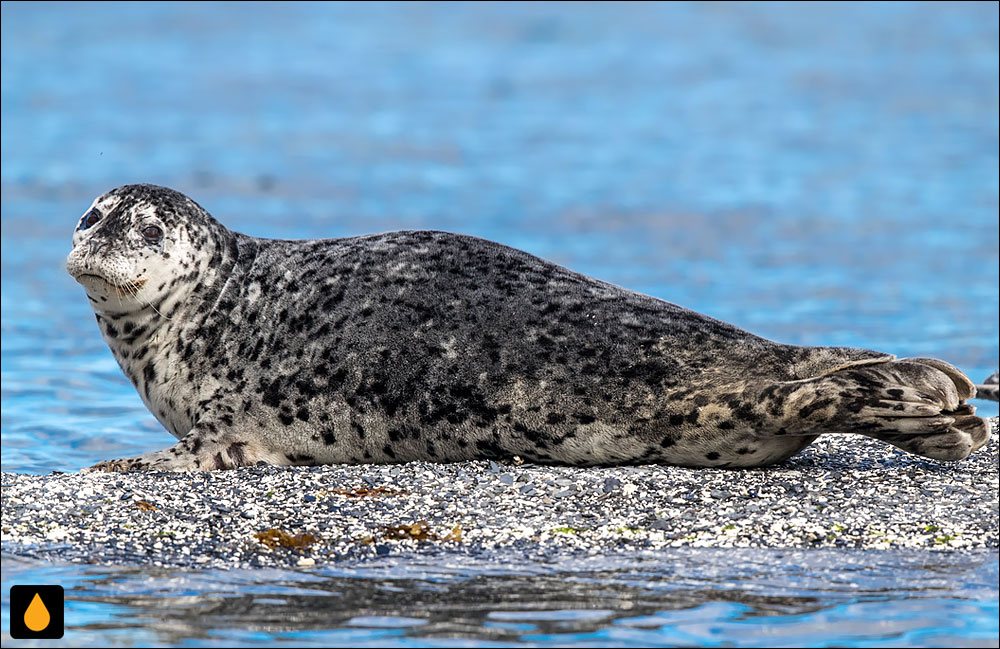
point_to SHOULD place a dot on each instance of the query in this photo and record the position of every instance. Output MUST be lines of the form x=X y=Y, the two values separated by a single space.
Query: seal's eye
x=152 y=233
x=93 y=216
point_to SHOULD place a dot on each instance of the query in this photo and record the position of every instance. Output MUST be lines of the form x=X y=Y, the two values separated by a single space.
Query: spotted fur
x=423 y=345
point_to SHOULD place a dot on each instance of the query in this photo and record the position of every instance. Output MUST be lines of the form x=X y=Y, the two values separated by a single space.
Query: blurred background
x=820 y=174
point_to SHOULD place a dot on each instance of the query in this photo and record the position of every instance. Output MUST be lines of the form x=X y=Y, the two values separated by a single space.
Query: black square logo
x=36 y=612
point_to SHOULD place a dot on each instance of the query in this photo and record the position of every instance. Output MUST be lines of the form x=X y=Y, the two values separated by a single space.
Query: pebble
x=844 y=491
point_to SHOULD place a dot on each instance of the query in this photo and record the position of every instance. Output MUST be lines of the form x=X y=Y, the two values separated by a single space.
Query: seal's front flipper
x=916 y=404
x=989 y=389
x=197 y=451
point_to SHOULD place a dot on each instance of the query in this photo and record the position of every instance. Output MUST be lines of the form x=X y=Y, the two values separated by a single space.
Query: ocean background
x=816 y=173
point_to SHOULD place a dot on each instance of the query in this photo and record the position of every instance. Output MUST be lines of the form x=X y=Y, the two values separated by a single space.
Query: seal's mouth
x=125 y=290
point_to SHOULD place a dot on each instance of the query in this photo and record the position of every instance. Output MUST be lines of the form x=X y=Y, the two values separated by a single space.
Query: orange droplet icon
x=36 y=617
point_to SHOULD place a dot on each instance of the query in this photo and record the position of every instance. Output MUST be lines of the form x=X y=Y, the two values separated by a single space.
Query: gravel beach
x=842 y=492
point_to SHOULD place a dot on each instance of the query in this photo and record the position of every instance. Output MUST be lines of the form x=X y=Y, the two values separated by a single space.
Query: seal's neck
x=165 y=339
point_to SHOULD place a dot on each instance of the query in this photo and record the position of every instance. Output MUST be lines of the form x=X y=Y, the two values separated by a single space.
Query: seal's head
x=137 y=244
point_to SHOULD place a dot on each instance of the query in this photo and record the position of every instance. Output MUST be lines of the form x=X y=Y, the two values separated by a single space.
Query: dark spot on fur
x=236 y=453
x=809 y=409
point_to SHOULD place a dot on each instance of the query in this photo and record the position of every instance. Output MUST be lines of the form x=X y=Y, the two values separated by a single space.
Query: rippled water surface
x=816 y=173
x=721 y=597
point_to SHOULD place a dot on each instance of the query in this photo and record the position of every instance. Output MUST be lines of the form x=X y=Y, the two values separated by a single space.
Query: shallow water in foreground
x=711 y=597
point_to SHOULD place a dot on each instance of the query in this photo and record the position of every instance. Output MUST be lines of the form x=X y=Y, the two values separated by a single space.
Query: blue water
x=816 y=173
x=715 y=597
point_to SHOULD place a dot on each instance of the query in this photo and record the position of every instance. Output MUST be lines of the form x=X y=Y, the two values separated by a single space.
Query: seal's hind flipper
x=916 y=404
x=966 y=388
x=990 y=388
x=965 y=434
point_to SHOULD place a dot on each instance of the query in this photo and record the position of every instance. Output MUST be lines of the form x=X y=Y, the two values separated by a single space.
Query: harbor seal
x=426 y=345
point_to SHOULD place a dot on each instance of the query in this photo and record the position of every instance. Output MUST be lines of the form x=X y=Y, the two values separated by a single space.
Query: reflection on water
x=682 y=597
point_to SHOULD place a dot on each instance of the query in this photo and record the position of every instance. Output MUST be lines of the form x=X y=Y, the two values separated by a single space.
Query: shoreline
x=843 y=491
